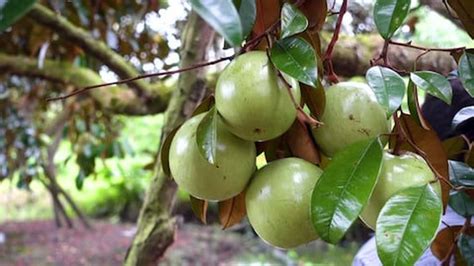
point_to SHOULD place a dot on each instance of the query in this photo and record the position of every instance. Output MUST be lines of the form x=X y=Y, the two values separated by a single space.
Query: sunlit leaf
x=12 y=10
x=466 y=71
x=296 y=57
x=344 y=188
x=414 y=105
x=292 y=21
x=388 y=86
x=389 y=15
x=223 y=17
x=434 y=84
x=206 y=136
x=407 y=224
x=463 y=116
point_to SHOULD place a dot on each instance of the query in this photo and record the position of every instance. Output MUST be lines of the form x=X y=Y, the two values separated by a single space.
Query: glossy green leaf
x=466 y=71
x=248 y=13
x=292 y=21
x=464 y=115
x=388 y=86
x=165 y=152
x=296 y=57
x=389 y=15
x=407 y=224
x=461 y=203
x=461 y=174
x=206 y=136
x=434 y=84
x=466 y=247
x=222 y=16
x=344 y=188
x=12 y=10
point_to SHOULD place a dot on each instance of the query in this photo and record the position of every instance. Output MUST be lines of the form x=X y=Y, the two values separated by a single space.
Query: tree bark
x=116 y=99
x=156 y=226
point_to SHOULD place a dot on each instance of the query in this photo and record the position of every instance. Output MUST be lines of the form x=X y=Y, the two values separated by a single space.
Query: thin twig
x=165 y=73
x=328 y=55
x=410 y=45
x=300 y=112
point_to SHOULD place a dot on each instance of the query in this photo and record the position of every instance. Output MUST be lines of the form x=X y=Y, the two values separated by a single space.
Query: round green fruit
x=193 y=173
x=278 y=202
x=253 y=101
x=398 y=173
x=352 y=114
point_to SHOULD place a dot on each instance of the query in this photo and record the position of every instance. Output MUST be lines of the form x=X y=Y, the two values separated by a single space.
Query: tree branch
x=156 y=226
x=115 y=99
x=92 y=46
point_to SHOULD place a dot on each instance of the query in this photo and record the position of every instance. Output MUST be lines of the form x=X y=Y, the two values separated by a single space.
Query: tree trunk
x=156 y=226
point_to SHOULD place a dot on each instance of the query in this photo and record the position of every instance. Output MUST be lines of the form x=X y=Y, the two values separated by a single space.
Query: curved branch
x=115 y=98
x=92 y=46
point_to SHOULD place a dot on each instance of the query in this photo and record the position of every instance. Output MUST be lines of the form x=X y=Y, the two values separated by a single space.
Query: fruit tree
x=335 y=151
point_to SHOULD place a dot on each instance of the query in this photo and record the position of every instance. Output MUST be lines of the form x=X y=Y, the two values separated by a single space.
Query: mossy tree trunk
x=156 y=226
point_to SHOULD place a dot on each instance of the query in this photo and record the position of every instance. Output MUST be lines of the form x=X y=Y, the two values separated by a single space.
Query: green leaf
x=248 y=13
x=344 y=188
x=466 y=71
x=434 y=84
x=389 y=15
x=292 y=21
x=223 y=17
x=388 y=86
x=461 y=203
x=296 y=57
x=206 y=136
x=165 y=152
x=464 y=115
x=12 y=10
x=466 y=247
x=407 y=224
x=461 y=174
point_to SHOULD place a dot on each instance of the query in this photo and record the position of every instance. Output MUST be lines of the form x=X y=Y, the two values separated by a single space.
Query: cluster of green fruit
x=254 y=105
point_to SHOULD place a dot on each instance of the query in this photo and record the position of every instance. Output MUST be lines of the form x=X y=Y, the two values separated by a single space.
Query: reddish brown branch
x=165 y=73
x=409 y=45
x=302 y=116
x=328 y=55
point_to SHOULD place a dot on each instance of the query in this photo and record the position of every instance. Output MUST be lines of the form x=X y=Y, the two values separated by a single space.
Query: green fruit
x=194 y=174
x=398 y=173
x=352 y=114
x=254 y=102
x=278 y=202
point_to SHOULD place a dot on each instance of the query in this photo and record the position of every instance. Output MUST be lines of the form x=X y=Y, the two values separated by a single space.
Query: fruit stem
x=302 y=116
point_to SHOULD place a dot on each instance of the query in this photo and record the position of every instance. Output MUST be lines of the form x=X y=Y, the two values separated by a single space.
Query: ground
x=41 y=243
